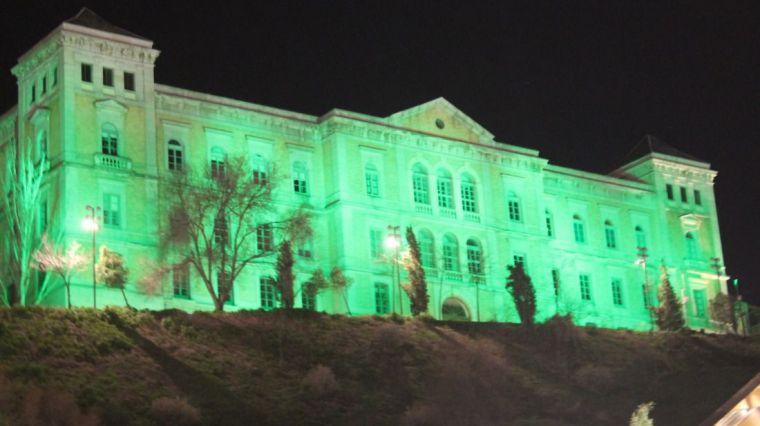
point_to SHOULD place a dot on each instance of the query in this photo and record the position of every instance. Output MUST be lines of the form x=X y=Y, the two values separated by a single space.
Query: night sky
x=579 y=81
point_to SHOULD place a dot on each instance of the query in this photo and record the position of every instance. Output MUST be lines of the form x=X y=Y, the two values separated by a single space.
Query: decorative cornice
x=37 y=55
x=111 y=48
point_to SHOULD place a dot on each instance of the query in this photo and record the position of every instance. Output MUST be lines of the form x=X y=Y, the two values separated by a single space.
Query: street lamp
x=731 y=305
x=642 y=261
x=91 y=223
x=393 y=241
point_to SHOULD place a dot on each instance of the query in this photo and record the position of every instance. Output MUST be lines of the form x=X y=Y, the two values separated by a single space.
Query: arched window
x=260 y=170
x=427 y=248
x=450 y=253
x=300 y=178
x=609 y=235
x=371 y=180
x=445 y=194
x=109 y=139
x=579 y=230
x=474 y=257
x=691 y=246
x=469 y=198
x=641 y=239
x=175 y=155
x=513 y=205
x=420 y=184
x=42 y=143
x=218 y=157
x=549 y=223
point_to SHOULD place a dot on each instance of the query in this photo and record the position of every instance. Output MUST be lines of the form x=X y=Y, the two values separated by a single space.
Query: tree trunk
x=123 y=293
x=68 y=294
x=345 y=299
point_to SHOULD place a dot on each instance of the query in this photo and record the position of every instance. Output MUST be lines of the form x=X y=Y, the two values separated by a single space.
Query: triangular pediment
x=440 y=117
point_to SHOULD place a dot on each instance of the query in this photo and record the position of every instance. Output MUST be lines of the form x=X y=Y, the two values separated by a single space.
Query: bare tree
x=63 y=264
x=217 y=222
x=22 y=189
x=340 y=283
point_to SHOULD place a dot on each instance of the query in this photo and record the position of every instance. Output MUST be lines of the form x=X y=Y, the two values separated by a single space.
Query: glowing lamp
x=89 y=224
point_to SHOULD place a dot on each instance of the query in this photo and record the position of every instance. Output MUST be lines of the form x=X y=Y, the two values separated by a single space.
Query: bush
x=320 y=380
x=174 y=411
x=596 y=378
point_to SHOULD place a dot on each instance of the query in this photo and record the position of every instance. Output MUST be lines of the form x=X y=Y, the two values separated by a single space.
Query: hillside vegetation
x=260 y=368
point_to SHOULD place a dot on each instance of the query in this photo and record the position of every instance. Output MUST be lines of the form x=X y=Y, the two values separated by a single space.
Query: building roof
x=88 y=18
x=650 y=144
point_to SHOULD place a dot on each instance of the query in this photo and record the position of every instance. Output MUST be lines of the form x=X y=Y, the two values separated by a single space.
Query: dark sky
x=580 y=81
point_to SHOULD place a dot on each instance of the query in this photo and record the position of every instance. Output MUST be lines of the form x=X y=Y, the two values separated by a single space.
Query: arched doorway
x=454 y=309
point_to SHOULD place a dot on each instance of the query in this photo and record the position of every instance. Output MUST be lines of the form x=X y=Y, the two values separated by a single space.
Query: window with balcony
x=474 y=257
x=450 y=253
x=427 y=248
x=420 y=184
x=469 y=197
x=109 y=139
x=445 y=193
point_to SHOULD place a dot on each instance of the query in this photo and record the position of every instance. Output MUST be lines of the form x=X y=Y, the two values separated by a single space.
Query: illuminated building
x=87 y=97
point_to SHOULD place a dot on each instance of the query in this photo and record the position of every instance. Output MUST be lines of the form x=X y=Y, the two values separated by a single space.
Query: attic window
x=439 y=123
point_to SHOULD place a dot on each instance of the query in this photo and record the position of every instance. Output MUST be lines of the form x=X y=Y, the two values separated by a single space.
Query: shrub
x=596 y=378
x=640 y=416
x=174 y=411
x=320 y=380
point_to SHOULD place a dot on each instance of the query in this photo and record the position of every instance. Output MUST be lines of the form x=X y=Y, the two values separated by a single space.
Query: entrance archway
x=454 y=309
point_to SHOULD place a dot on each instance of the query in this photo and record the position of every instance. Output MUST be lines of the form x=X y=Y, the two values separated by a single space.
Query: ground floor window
x=268 y=293
x=454 y=310
x=382 y=299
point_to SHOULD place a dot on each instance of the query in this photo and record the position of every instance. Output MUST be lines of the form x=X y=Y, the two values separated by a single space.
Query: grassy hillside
x=118 y=367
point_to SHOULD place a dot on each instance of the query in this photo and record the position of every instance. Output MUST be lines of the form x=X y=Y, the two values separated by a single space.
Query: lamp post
x=731 y=304
x=393 y=241
x=91 y=224
x=642 y=260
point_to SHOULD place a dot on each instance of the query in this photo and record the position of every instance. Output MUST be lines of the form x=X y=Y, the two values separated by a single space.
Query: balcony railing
x=450 y=213
x=452 y=276
x=423 y=208
x=472 y=217
x=113 y=162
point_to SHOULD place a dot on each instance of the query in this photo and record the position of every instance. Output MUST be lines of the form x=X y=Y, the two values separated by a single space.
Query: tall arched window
x=579 y=230
x=469 y=197
x=371 y=180
x=474 y=257
x=42 y=143
x=641 y=239
x=450 y=253
x=420 y=184
x=300 y=178
x=445 y=194
x=109 y=139
x=260 y=170
x=549 y=223
x=691 y=246
x=175 y=155
x=218 y=157
x=513 y=206
x=427 y=248
x=609 y=235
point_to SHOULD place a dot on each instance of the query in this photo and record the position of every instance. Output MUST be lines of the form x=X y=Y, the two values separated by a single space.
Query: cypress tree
x=669 y=315
x=285 y=274
x=417 y=287
x=521 y=289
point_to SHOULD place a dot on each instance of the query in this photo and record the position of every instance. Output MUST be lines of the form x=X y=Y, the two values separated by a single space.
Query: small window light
x=439 y=123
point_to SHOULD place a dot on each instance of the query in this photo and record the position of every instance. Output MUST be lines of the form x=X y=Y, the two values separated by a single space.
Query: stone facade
x=477 y=205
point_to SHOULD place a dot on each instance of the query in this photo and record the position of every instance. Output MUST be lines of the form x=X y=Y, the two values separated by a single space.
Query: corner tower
x=686 y=232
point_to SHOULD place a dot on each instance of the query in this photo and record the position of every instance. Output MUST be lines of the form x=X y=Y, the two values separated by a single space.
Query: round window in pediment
x=439 y=123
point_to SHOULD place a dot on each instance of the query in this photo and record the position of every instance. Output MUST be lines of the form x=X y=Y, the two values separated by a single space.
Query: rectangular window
x=609 y=236
x=514 y=211
x=181 y=280
x=305 y=249
x=578 y=231
x=129 y=81
x=34 y=94
x=375 y=243
x=223 y=284
x=699 y=303
x=617 y=292
x=87 y=73
x=468 y=198
x=519 y=259
x=372 y=183
x=382 y=299
x=445 y=200
x=555 y=281
x=55 y=77
x=549 y=225
x=697 y=197
x=112 y=210
x=44 y=85
x=264 y=238
x=684 y=195
x=107 y=77
x=308 y=300
x=585 y=282
x=669 y=190
x=268 y=293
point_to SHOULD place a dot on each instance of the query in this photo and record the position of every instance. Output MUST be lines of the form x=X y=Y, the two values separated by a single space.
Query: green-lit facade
x=86 y=95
